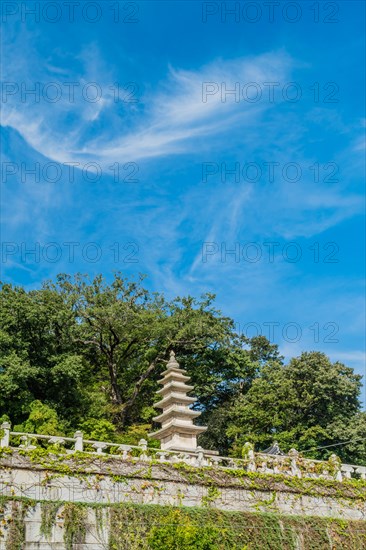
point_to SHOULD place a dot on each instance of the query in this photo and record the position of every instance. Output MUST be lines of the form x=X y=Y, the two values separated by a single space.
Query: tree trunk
x=122 y=416
x=115 y=393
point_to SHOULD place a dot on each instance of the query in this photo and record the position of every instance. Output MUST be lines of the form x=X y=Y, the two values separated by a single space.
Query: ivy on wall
x=153 y=527
x=93 y=468
x=16 y=535
x=166 y=528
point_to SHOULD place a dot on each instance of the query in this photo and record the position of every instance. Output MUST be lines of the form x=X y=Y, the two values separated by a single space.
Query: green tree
x=93 y=351
x=296 y=404
x=42 y=419
x=38 y=359
x=125 y=334
x=353 y=433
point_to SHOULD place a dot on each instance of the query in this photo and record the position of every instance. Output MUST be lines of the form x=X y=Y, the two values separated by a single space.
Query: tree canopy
x=87 y=354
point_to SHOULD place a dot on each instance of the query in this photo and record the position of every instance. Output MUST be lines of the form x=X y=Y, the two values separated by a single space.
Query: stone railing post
x=347 y=471
x=162 y=456
x=276 y=465
x=79 y=444
x=125 y=450
x=58 y=442
x=27 y=442
x=215 y=461
x=247 y=453
x=295 y=470
x=143 y=447
x=4 y=442
x=252 y=467
x=99 y=446
x=335 y=464
x=362 y=471
x=200 y=459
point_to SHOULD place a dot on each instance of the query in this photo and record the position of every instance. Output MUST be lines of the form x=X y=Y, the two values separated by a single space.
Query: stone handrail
x=292 y=464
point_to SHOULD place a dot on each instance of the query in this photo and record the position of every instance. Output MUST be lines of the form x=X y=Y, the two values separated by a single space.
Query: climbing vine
x=16 y=531
x=75 y=517
x=48 y=518
x=166 y=528
x=212 y=494
x=153 y=527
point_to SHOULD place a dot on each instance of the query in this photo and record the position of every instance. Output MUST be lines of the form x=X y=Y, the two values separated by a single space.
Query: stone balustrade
x=292 y=464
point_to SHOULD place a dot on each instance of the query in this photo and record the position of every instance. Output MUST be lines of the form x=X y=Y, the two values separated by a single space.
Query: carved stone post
x=252 y=467
x=215 y=461
x=335 y=464
x=125 y=450
x=295 y=470
x=79 y=445
x=248 y=454
x=161 y=456
x=4 y=442
x=143 y=446
x=347 y=470
x=199 y=457
x=27 y=442
x=100 y=446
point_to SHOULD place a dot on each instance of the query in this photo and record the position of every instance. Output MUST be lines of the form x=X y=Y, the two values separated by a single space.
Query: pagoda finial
x=172 y=360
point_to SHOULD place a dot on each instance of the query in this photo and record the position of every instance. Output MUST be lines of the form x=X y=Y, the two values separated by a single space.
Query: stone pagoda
x=177 y=433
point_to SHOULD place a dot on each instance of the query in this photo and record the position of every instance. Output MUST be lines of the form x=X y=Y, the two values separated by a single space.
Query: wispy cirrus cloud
x=173 y=118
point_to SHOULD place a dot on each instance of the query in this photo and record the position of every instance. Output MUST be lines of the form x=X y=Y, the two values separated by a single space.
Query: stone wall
x=102 y=482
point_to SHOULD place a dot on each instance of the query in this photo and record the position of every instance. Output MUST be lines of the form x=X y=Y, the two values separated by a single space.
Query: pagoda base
x=198 y=449
x=181 y=442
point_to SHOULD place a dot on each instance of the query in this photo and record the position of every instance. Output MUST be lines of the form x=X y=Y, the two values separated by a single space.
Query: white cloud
x=170 y=119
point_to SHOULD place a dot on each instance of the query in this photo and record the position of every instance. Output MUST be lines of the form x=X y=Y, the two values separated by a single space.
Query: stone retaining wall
x=98 y=481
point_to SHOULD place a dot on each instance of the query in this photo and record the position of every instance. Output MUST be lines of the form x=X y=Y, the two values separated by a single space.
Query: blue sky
x=136 y=100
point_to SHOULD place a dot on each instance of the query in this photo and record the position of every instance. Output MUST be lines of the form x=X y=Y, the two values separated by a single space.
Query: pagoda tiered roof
x=174 y=398
x=174 y=385
x=173 y=428
x=177 y=430
x=176 y=411
x=174 y=375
